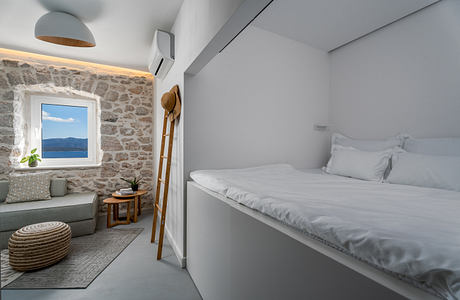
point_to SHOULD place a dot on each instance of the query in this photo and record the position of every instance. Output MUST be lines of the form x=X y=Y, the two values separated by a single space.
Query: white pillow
x=351 y=162
x=434 y=146
x=367 y=145
x=434 y=171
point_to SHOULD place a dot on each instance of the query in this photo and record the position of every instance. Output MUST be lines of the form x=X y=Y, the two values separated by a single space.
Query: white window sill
x=25 y=168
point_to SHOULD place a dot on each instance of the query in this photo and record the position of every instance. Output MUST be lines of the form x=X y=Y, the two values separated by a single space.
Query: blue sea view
x=64 y=131
x=65 y=154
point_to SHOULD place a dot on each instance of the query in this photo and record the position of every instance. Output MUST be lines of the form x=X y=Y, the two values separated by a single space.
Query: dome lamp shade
x=63 y=29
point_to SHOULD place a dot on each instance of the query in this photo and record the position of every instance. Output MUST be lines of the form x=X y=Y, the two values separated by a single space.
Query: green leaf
x=33 y=150
x=128 y=181
x=39 y=159
x=24 y=159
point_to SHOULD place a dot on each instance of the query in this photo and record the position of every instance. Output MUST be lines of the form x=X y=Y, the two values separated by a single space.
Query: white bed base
x=234 y=252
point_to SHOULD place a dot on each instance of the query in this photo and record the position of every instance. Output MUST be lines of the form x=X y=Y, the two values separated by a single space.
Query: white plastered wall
x=403 y=78
x=256 y=103
x=196 y=24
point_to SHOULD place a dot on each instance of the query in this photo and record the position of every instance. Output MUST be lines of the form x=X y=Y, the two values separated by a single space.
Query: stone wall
x=126 y=125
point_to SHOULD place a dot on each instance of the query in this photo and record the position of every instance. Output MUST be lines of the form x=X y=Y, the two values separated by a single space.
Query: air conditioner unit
x=161 y=56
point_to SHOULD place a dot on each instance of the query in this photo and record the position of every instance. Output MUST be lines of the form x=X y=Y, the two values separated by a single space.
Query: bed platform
x=234 y=252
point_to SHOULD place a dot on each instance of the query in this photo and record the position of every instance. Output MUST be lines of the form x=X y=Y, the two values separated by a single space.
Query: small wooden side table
x=114 y=203
x=137 y=201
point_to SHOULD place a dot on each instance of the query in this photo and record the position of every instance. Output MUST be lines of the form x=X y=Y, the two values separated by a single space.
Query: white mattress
x=410 y=232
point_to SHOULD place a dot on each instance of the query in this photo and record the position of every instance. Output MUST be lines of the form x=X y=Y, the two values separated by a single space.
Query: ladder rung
x=163 y=156
x=161 y=180
x=159 y=209
x=166 y=134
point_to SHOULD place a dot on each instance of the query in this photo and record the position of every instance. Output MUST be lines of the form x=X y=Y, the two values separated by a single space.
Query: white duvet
x=410 y=232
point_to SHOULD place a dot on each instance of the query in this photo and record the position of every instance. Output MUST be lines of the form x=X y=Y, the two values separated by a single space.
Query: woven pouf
x=39 y=245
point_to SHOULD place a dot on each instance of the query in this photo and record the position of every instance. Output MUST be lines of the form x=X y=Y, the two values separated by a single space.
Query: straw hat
x=171 y=102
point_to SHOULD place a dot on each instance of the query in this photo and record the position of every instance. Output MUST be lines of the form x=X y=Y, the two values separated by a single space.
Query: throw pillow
x=28 y=187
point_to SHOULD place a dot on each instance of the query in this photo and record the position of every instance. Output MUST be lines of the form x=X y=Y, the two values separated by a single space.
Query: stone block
x=14 y=78
x=6 y=120
x=101 y=88
x=145 y=139
x=106 y=104
x=107 y=157
x=141 y=111
x=109 y=167
x=6 y=107
x=136 y=90
x=29 y=77
x=111 y=96
x=108 y=116
x=147 y=147
x=121 y=156
x=76 y=83
x=10 y=63
x=146 y=119
x=146 y=173
x=87 y=86
x=8 y=95
x=126 y=165
x=109 y=129
x=43 y=76
x=124 y=98
x=7 y=139
x=111 y=143
x=3 y=83
x=126 y=131
x=132 y=146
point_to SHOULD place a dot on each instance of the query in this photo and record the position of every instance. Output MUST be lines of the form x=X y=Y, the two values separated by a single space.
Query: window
x=63 y=130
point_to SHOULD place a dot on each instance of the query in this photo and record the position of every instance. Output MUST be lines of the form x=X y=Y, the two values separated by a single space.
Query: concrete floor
x=134 y=274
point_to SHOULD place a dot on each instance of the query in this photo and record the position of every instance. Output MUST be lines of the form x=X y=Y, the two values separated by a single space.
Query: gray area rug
x=88 y=257
x=8 y=275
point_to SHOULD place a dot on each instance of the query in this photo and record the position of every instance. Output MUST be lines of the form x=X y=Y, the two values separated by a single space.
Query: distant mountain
x=65 y=144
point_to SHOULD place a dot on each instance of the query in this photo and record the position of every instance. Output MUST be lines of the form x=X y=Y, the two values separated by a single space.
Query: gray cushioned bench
x=79 y=210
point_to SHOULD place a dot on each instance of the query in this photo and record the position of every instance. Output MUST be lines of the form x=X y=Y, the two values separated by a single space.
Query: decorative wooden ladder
x=164 y=181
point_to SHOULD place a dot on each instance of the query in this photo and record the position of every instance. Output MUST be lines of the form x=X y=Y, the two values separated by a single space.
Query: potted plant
x=32 y=159
x=134 y=183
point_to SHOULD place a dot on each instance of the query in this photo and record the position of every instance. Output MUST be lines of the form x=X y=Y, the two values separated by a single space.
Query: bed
x=352 y=239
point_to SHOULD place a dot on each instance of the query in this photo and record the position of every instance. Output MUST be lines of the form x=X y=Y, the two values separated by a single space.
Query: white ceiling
x=123 y=29
x=328 y=24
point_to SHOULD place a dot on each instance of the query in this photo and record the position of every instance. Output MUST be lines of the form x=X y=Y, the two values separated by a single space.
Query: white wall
x=404 y=78
x=256 y=103
x=196 y=24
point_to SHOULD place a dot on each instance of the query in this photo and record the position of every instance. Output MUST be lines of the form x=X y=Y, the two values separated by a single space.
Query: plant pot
x=135 y=187
x=33 y=164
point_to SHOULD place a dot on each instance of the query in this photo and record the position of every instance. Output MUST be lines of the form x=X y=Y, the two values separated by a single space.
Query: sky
x=61 y=121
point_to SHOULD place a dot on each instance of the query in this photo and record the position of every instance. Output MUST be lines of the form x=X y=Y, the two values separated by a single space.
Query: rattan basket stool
x=39 y=245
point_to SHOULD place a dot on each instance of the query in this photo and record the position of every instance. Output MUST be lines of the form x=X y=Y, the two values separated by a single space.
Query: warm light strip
x=66 y=62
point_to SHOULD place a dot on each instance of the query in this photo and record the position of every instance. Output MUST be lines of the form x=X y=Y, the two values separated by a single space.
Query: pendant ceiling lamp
x=63 y=29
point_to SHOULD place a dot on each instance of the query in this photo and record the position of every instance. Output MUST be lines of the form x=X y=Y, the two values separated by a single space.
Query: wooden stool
x=137 y=201
x=113 y=202
x=39 y=245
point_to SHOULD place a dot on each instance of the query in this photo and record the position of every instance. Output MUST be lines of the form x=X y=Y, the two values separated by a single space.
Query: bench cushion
x=58 y=188
x=69 y=208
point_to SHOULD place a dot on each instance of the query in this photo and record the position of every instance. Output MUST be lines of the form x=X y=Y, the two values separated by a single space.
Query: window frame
x=35 y=134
